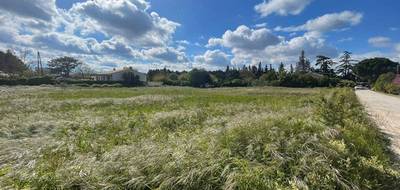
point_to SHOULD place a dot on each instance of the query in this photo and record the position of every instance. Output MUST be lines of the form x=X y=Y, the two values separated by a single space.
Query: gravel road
x=385 y=109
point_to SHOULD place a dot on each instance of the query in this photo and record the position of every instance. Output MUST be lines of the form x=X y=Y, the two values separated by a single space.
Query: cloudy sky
x=182 y=34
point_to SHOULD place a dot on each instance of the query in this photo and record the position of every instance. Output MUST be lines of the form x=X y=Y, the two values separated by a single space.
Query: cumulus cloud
x=286 y=52
x=127 y=19
x=213 y=58
x=63 y=42
x=380 y=41
x=37 y=9
x=129 y=33
x=116 y=47
x=166 y=54
x=327 y=22
x=398 y=47
x=250 y=46
x=281 y=7
x=246 y=38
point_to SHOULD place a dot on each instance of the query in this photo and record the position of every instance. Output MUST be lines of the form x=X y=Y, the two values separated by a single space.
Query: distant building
x=118 y=75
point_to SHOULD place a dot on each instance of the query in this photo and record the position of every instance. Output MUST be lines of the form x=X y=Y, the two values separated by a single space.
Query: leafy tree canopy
x=370 y=69
x=63 y=65
x=199 y=78
x=9 y=63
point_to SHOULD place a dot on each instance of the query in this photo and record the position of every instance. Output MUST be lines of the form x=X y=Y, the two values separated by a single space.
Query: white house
x=118 y=75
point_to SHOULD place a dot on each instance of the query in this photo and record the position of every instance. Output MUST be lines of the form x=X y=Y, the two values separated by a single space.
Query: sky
x=209 y=34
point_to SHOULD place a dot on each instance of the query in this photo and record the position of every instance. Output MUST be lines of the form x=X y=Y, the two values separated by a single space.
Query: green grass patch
x=186 y=138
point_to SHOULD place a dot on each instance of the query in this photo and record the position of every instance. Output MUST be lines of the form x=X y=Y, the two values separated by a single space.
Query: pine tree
x=346 y=65
x=244 y=68
x=281 y=72
x=291 y=69
x=325 y=64
x=304 y=64
x=259 y=69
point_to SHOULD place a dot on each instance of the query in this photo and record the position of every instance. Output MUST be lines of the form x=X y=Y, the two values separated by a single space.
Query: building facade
x=118 y=75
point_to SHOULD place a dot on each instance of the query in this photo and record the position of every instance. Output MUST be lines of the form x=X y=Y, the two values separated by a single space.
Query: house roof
x=122 y=70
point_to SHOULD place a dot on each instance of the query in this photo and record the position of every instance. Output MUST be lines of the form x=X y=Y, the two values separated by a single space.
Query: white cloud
x=327 y=22
x=261 y=25
x=346 y=39
x=63 y=42
x=281 y=7
x=393 y=29
x=286 y=52
x=262 y=48
x=116 y=47
x=183 y=42
x=246 y=38
x=128 y=19
x=380 y=41
x=398 y=48
x=215 y=58
x=166 y=54
x=131 y=34
x=36 y=9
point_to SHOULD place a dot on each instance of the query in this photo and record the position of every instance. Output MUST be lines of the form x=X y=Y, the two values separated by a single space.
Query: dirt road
x=385 y=109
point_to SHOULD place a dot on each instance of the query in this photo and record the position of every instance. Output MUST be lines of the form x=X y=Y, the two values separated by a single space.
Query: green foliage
x=325 y=64
x=346 y=64
x=347 y=83
x=63 y=65
x=46 y=80
x=9 y=63
x=370 y=69
x=199 y=78
x=364 y=158
x=385 y=84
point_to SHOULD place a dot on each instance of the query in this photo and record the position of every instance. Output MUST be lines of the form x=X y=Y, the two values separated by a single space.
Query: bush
x=46 y=80
x=199 y=78
x=392 y=88
x=385 y=84
x=347 y=83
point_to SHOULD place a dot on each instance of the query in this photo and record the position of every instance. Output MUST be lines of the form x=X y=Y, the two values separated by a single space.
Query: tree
x=266 y=68
x=84 y=70
x=281 y=72
x=227 y=68
x=304 y=64
x=9 y=63
x=346 y=65
x=291 y=69
x=63 y=65
x=325 y=64
x=259 y=70
x=199 y=78
x=370 y=69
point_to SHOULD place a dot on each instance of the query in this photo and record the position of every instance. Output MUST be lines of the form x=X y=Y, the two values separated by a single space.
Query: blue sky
x=181 y=34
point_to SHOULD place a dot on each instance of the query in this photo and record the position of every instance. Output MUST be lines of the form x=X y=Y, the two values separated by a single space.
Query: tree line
x=346 y=72
x=325 y=72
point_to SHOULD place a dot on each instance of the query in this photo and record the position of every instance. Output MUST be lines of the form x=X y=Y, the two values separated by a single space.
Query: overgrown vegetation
x=184 y=138
x=327 y=73
x=385 y=84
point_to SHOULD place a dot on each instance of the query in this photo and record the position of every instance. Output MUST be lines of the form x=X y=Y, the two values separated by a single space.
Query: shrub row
x=47 y=80
x=385 y=84
x=28 y=81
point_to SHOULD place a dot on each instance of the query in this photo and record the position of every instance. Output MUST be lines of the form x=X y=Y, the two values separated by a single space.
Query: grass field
x=184 y=138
